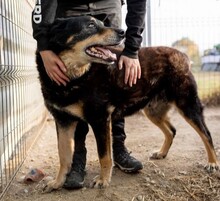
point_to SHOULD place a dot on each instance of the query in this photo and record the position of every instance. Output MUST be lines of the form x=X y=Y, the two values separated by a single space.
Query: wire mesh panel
x=194 y=28
x=21 y=104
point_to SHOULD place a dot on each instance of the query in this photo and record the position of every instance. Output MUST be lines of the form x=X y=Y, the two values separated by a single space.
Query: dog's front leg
x=102 y=131
x=65 y=137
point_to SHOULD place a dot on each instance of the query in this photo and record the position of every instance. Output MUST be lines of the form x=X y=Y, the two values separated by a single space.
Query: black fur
x=166 y=80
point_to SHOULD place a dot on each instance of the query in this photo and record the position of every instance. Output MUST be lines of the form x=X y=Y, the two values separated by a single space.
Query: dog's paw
x=100 y=183
x=51 y=185
x=212 y=167
x=157 y=156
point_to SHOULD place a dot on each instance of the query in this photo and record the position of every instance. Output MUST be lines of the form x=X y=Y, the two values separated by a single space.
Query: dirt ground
x=178 y=177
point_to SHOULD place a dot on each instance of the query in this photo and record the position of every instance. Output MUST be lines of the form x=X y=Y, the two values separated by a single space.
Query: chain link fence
x=21 y=106
x=192 y=27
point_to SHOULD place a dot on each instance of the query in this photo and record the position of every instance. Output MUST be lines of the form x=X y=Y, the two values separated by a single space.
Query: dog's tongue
x=107 y=53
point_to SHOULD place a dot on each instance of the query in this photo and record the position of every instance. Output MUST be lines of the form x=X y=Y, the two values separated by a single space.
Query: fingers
x=58 y=79
x=120 y=63
x=130 y=76
x=61 y=65
x=139 y=71
x=54 y=67
x=57 y=75
x=53 y=79
x=132 y=69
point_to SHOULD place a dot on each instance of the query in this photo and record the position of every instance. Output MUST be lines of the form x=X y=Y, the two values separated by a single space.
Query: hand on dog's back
x=132 y=69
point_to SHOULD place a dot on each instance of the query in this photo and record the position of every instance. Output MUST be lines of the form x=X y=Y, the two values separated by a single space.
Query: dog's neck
x=75 y=67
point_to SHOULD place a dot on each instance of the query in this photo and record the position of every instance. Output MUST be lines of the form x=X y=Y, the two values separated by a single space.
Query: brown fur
x=97 y=93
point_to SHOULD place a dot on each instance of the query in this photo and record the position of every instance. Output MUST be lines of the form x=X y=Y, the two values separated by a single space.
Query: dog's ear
x=58 y=25
x=57 y=33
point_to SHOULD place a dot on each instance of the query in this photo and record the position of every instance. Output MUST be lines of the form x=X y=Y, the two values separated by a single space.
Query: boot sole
x=129 y=170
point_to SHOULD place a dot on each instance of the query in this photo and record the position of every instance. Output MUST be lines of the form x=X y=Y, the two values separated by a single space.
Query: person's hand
x=54 y=67
x=132 y=69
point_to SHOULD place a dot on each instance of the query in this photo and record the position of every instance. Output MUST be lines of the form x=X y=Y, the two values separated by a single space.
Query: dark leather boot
x=75 y=178
x=122 y=158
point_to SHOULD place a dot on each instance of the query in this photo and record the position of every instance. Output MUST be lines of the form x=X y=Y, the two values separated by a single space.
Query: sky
x=171 y=20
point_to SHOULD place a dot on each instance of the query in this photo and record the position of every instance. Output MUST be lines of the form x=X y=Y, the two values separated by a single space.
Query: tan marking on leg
x=160 y=122
x=65 y=150
x=209 y=148
x=106 y=172
x=212 y=158
x=106 y=163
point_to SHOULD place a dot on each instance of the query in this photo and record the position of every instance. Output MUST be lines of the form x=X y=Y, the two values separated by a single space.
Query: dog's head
x=84 y=39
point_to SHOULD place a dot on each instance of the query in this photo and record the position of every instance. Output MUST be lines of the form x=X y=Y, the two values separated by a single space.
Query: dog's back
x=165 y=72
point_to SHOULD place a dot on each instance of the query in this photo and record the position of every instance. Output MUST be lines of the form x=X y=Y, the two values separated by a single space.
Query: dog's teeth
x=93 y=49
x=101 y=53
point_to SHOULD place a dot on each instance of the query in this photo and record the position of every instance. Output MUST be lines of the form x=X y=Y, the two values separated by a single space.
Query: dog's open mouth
x=101 y=53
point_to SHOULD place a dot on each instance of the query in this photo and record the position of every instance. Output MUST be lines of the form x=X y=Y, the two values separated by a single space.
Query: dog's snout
x=121 y=32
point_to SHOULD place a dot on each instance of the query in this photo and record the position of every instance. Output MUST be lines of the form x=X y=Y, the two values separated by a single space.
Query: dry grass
x=208 y=85
x=194 y=185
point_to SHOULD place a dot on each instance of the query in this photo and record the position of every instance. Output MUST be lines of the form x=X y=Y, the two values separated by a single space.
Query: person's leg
x=75 y=178
x=109 y=12
x=112 y=17
x=122 y=157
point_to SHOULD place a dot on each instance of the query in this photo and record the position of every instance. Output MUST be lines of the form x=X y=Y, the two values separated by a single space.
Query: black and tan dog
x=97 y=93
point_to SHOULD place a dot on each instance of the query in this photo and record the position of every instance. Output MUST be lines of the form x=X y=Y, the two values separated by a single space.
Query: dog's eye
x=91 y=24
